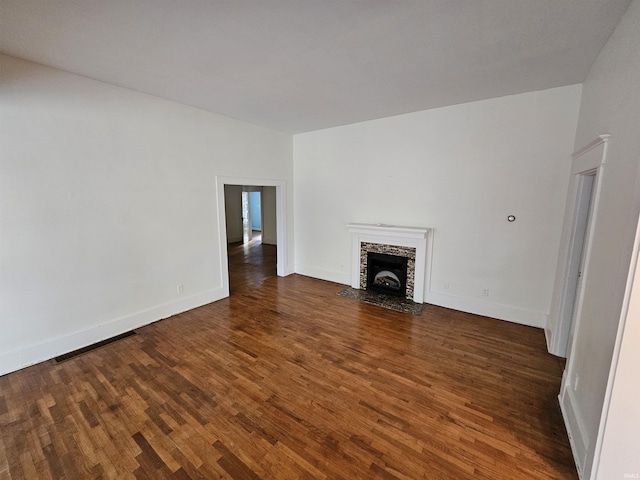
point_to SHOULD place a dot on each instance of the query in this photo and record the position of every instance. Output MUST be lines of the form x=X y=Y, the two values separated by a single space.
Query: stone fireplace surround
x=412 y=242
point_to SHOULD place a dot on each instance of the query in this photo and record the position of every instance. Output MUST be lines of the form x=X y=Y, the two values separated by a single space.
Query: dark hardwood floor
x=250 y=263
x=285 y=379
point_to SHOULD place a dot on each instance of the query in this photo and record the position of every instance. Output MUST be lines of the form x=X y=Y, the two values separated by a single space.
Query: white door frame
x=282 y=247
x=589 y=160
x=586 y=161
x=248 y=230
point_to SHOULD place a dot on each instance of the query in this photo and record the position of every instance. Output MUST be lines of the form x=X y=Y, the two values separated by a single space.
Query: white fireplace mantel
x=415 y=237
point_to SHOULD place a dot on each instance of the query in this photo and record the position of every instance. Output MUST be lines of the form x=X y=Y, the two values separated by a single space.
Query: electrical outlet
x=180 y=289
x=485 y=292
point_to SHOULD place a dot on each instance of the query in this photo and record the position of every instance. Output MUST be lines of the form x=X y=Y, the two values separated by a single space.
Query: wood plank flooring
x=250 y=263
x=287 y=380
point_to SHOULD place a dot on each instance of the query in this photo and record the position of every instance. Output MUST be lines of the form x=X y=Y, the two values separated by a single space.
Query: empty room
x=332 y=240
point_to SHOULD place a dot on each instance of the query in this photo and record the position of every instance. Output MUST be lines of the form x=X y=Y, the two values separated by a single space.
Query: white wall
x=269 y=234
x=460 y=170
x=233 y=212
x=108 y=203
x=620 y=453
x=610 y=104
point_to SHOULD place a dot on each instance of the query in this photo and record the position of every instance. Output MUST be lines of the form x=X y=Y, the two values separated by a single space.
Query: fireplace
x=387 y=274
x=393 y=258
x=411 y=243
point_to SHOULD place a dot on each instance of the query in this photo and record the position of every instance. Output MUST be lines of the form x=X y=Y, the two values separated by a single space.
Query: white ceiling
x=302 y=65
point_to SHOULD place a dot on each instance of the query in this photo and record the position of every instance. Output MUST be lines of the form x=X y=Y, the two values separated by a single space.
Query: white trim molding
x=576 y=431
x=604 y=138
x=562 y=311
x=413 y=237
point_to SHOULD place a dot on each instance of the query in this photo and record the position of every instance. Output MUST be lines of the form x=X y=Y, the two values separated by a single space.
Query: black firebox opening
x=387 y=274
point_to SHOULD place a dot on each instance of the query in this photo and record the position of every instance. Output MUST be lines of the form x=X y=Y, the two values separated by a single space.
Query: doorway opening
x=573 y=267
x=584 y=206
x=252 y=230
x=572 y=278
x=246 y=218
x=251 y=240
x=254 y=212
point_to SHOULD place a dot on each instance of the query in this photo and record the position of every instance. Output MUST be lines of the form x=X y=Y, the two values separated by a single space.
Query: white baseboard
x=269 y=240
x=548 y=336
x=488 y=309
x=32 y=354
x=469 y=305
x=322 y=274
x=575 y=430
